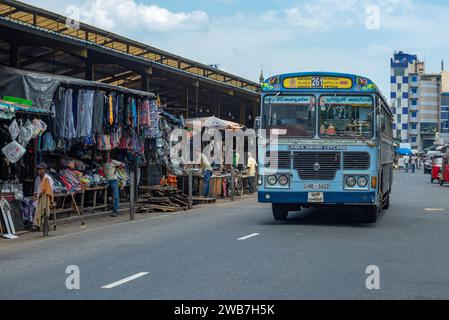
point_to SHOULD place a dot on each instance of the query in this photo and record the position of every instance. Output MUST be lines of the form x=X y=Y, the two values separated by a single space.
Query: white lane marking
x=248 y=236
x=434 y=209
x=120 y=282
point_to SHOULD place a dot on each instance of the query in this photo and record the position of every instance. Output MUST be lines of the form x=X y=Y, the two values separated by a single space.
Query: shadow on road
x=349 y=217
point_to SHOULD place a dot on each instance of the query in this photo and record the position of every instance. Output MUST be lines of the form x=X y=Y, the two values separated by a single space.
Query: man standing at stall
x=43 y=192
x=110 y=168
x=251 y=165
x=207 y=174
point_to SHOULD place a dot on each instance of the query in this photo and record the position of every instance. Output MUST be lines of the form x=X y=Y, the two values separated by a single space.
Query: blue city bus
x=334 y=145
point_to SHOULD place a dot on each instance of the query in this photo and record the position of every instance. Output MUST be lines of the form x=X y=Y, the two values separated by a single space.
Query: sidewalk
x=102 y=221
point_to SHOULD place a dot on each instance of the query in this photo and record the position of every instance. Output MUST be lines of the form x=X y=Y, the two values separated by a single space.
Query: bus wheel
x=441 y=182
x=386 y=202
x=280 y=212
x=370 y=214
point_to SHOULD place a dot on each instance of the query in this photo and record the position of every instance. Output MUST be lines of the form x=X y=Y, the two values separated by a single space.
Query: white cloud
x=129 y=16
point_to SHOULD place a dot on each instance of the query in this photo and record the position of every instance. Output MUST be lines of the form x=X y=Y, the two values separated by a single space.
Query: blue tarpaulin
x=404 y=152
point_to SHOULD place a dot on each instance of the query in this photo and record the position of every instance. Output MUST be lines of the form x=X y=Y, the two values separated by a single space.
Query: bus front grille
x=356 y=161
x=317 y=165
x=279 y=160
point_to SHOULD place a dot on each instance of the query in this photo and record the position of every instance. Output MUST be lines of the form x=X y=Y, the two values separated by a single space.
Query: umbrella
x=404 y=152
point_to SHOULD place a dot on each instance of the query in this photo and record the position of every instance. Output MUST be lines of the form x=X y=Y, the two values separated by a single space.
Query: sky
x=278 y=36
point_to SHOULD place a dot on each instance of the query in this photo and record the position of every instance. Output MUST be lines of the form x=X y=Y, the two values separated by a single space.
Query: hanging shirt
x=111 y=110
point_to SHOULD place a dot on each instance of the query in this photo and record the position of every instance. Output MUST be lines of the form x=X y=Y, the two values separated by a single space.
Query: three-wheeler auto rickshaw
x=444 y=170
x=437 y=161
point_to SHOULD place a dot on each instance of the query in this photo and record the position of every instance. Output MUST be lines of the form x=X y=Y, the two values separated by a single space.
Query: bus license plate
x=316 y=197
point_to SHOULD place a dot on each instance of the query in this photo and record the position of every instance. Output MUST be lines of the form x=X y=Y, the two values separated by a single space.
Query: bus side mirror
x=381 y=122
x=257 y=124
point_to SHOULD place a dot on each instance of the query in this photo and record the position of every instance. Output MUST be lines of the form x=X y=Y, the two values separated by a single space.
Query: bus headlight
x=351 y=182
x=283 y=180
x=272 y=180
x=362 y=182
x=259 y=180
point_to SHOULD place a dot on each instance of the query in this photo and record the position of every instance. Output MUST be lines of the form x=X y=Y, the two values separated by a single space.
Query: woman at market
x=110 y=168
x=43 y=192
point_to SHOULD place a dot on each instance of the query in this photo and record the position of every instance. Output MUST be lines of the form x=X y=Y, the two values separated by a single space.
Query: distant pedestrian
x=406 y=163
x=413 y=163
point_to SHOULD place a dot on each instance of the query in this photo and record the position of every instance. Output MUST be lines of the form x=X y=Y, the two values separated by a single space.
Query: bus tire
x=280 y=212
x=441 y=182
x=386 y=203
x=370 y=214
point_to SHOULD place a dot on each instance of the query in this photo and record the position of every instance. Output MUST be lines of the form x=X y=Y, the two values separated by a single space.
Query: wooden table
x=95 y=206
x=62 y=209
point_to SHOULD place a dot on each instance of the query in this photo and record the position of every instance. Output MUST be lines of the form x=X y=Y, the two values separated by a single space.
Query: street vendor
x=207 y=173
x=110 y=168
x=43 y=193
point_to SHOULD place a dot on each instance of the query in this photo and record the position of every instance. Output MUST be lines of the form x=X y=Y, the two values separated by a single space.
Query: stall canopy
x=404 y=152
x=41 y=87
x=214 y=123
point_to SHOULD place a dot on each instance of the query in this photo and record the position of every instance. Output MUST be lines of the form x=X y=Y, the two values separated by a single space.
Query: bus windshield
x=346 y=116
x=290 y=116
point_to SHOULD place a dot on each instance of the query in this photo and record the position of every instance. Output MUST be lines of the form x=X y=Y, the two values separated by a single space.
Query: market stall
x=76 y=124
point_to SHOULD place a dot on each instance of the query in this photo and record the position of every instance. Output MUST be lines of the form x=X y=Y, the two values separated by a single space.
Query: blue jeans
x=115 y=192
x=206 y=187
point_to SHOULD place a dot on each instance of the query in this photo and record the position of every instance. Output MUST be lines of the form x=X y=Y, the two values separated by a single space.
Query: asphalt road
x=197 y=255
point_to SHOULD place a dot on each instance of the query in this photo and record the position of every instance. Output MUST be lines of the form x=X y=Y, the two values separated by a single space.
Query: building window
x=415 y=90
x=414 y=113
x=405 y=80
x=393 y=79
x=398 y=118
x=405 y=126
x=399 y=72
x=414 y=126
x=405 y=95
x=413 y=139
x=414 y=78
x=393 y=95
x=405 y=111
x=399 y=87
x=414 y=102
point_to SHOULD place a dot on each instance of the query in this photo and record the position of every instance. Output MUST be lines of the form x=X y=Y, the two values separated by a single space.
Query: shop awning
x=40 y=87
x=214 y=123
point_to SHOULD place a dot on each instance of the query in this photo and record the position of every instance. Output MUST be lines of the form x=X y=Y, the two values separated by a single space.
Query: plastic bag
x=13 y=151
x=14 y=130
x=26 y=133
x=39 y=127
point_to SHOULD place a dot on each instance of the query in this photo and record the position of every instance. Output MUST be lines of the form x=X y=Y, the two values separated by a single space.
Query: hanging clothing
x=134 y=112
x=111 y=109
x=120 y=109
x=75 y=109
x=144 y=113
x=97 y=115
x=85 y=110
x=59 y=112
x=67 y=129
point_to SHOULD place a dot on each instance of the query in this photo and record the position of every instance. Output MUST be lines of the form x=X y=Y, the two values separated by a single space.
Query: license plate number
x=316 y=197
x=312 y=186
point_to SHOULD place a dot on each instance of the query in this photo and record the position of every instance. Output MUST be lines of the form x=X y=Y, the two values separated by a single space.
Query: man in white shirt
x=406 y=163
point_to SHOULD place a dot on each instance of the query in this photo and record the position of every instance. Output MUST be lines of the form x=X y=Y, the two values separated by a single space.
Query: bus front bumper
x=330 y=198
